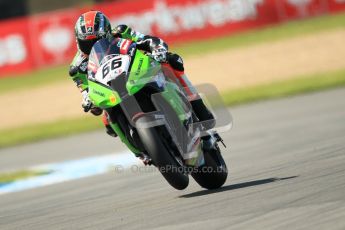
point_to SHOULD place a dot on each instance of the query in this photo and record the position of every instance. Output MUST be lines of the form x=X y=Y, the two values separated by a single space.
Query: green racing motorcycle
x=149 y=112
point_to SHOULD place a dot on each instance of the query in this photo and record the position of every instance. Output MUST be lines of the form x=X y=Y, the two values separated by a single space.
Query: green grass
x=285 y=88
x=278 y=32
x=34 y=79
x=44 y=131
x=234 y=97
x=19 y=175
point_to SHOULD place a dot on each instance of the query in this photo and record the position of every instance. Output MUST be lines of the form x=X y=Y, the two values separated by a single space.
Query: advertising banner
x=15 y=47
x=336 y=5
x=299 y=9
x=188 y=20
x=53 y=37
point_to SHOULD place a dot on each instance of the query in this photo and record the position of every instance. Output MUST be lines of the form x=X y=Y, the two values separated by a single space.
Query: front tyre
x=169 y=167
x=214 y=173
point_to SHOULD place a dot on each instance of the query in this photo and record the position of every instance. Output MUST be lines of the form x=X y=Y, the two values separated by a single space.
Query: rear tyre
x=214 y=173
x=168 y=165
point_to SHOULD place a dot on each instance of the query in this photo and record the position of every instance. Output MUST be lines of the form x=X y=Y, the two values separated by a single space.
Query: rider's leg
x=108 y=128
x=199 y=107
x=97 y=112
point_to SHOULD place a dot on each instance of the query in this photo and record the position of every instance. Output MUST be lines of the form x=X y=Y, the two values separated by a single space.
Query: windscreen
x=102 y=51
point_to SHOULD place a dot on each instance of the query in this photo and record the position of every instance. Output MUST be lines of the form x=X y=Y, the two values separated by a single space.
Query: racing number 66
x=116 y=63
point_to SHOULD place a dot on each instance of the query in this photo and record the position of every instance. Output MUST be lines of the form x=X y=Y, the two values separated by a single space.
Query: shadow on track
x=236 y=186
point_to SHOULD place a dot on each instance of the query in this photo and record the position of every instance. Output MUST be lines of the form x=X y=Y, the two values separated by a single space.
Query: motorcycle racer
x=93 y=26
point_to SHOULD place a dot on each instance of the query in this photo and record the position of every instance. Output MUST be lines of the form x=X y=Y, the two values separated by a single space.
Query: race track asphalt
x=287 y=171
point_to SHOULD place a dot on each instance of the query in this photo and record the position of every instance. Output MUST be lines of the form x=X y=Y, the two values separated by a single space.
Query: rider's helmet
x=90 y=27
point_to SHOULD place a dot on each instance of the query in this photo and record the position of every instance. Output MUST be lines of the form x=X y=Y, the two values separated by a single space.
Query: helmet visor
x=86 y=45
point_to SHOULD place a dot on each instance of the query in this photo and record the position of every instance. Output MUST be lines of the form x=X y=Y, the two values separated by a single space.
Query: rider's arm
x=144 y=42
x=150 y=43
x=126 y=32
x=78 y=71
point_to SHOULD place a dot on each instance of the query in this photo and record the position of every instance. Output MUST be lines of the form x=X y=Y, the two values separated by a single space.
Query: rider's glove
x=96 y=111
x=88 y=106
x=120 y=30
x=86 y=103
x=159 y=53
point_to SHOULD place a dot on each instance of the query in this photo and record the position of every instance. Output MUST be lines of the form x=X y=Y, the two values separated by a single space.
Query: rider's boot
x=209 y=142
x=208 y=121
x=145 y=159
x=109 y=130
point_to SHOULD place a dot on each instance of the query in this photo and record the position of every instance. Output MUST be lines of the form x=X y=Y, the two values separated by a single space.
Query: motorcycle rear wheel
x=213 y=173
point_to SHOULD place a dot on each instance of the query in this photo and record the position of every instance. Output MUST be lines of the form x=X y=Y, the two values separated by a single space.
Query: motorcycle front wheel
x=171 y=169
